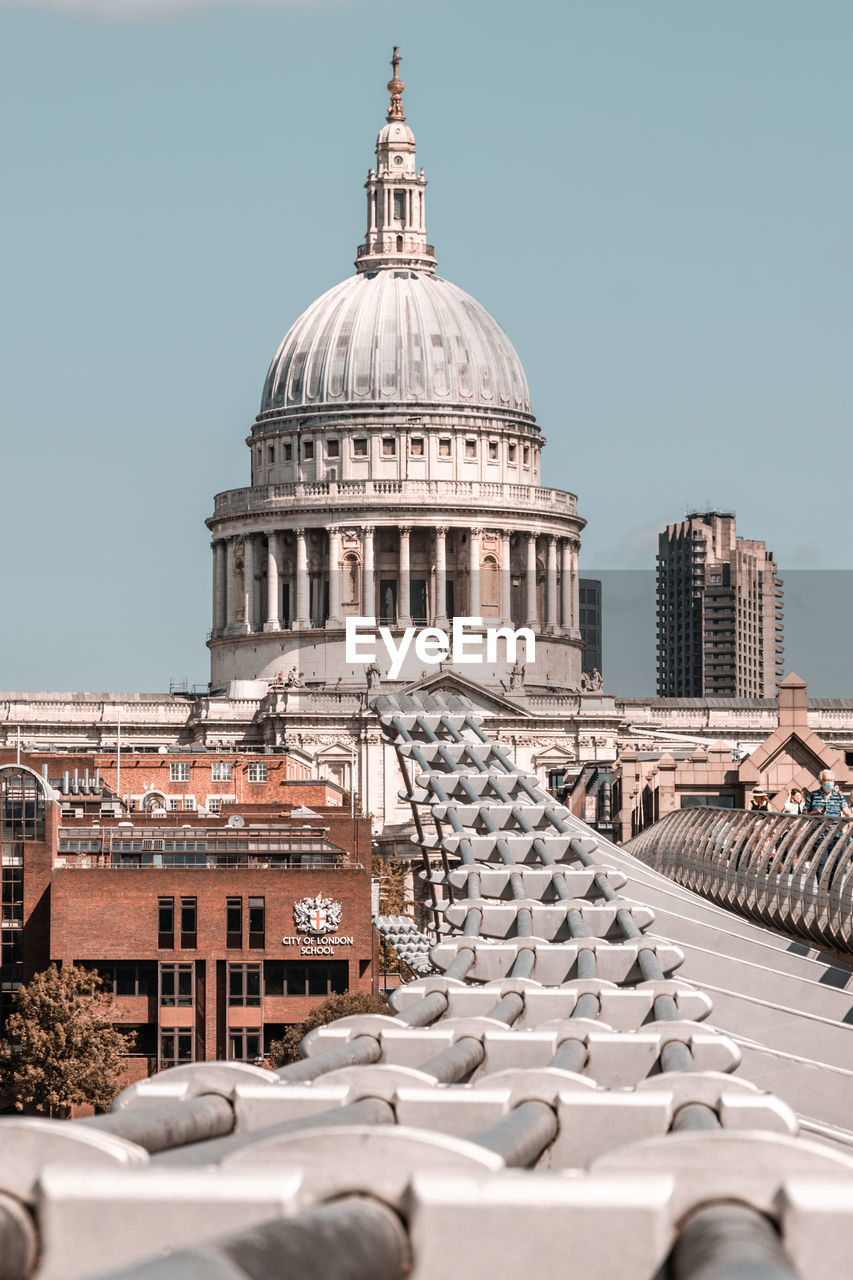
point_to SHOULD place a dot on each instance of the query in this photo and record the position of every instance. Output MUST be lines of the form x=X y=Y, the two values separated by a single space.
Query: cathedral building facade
x=395 y=473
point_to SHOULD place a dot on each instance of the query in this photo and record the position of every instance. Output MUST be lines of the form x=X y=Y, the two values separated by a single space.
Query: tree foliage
x=342 y=1006
x=62 y=1048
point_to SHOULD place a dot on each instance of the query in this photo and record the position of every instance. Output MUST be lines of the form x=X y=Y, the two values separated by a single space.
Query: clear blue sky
x=655 y=199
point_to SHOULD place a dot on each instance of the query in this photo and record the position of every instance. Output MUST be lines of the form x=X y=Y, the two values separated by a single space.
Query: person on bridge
x=795 y=802
x=826 y=802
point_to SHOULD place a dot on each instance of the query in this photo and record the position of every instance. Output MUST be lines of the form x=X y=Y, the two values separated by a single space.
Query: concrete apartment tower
x=719 y=611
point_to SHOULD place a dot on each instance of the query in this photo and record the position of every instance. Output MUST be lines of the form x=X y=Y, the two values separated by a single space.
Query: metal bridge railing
x=549 y=1100
x=793 y=872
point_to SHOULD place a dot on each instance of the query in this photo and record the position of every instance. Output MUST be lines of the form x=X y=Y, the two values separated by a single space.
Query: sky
x=653 y=197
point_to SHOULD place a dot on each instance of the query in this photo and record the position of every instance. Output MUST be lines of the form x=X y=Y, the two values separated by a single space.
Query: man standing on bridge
x=826 y=802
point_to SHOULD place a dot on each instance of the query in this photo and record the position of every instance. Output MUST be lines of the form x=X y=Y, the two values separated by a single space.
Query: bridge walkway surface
x=604 y=1074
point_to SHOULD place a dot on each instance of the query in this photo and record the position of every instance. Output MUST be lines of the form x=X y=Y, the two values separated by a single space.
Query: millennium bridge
x=603 y=1073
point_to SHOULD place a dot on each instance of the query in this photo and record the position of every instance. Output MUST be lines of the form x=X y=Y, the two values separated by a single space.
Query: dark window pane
x=188 y=915
x=256 y=915
x=234 y=915
x=166 y=915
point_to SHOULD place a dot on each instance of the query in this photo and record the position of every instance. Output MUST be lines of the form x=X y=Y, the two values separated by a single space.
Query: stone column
x=531 y=611
x=566 y=584
x=334 y=619
x=404 y=593
x=551 y=584
x=439 y=612
x=302 y=620
x=474 y=573
x=249 y=582
x=230 y=585
x=576 y=612
x=219 y=571
x=506 y=579
x=368 y=603
x=273 y=619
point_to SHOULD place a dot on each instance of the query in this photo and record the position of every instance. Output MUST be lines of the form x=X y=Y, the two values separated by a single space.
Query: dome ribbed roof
x=396 y=337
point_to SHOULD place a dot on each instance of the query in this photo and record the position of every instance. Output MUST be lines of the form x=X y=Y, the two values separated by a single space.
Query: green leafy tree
x=62 y=1048
x=343 y=1006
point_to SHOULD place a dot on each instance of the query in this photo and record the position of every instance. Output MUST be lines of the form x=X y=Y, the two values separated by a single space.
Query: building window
x=444 y=447
x=359 y=448
x=175 y=1047
x=526 y=456
x=173 y=803
x=258 y=771
x=244 y=984
x=13 y=895
x=288 y=452
x=176 y=985
x=126 y=977
x=179 y=772
x=389 y=446
x=305 y=977
x=333 y=448
x=214 y=804
x=189 y=914
x=416 y=447
x=493 y=451
x=270 y=454
x=257 y=922
x=220 y=771
x=21 y=806
x=234 y=922
x=189 y=802
x=510 y=454
x=470 y=448
x=244 y=1044
x=400 y=206
x=308 y=450
x=165 y=922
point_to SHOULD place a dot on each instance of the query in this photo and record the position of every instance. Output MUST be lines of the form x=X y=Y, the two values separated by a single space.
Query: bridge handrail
x=793 y=872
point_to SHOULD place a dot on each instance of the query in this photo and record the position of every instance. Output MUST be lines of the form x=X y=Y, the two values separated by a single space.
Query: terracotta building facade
x=214 y=934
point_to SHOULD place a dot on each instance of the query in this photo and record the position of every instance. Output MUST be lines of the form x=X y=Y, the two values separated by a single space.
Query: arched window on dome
x=399 y=244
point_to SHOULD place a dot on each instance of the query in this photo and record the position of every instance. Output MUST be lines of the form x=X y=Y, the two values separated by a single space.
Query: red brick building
x=215 y=932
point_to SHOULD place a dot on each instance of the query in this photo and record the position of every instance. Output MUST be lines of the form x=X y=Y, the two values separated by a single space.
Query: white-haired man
x=826 y=802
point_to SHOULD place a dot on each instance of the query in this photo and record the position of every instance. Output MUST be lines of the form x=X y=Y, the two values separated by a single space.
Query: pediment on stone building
x=556 y=754
x=799 y=756
x=485 y=701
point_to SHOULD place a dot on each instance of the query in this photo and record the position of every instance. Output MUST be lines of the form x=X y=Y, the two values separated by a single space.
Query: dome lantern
x=396 y=214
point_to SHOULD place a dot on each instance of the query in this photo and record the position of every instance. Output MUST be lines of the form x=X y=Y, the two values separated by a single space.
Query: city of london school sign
x=317 y=918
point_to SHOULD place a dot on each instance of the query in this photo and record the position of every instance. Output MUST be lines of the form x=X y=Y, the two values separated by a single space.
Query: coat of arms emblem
x=317 y=915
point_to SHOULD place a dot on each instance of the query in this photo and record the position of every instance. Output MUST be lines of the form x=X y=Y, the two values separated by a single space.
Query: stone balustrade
x=357 y=493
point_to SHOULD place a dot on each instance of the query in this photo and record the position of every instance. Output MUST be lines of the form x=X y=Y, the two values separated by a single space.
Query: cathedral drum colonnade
x=395 y=472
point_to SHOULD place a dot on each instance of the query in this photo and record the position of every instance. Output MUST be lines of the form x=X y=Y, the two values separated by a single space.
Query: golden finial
x=395 y=88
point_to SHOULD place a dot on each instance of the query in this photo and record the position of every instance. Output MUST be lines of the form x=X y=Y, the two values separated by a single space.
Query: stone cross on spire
x=396 y=226
x=395 y=88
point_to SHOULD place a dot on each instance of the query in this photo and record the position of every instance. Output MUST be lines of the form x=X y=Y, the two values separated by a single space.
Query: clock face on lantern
x=398 y=159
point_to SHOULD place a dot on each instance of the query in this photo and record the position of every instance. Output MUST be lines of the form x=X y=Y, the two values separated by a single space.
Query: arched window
x=399 y=244
x=21 y=805
x=350 y=580
x=490 y=594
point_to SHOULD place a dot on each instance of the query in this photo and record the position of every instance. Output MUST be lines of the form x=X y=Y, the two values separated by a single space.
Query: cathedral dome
x=396 y=337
